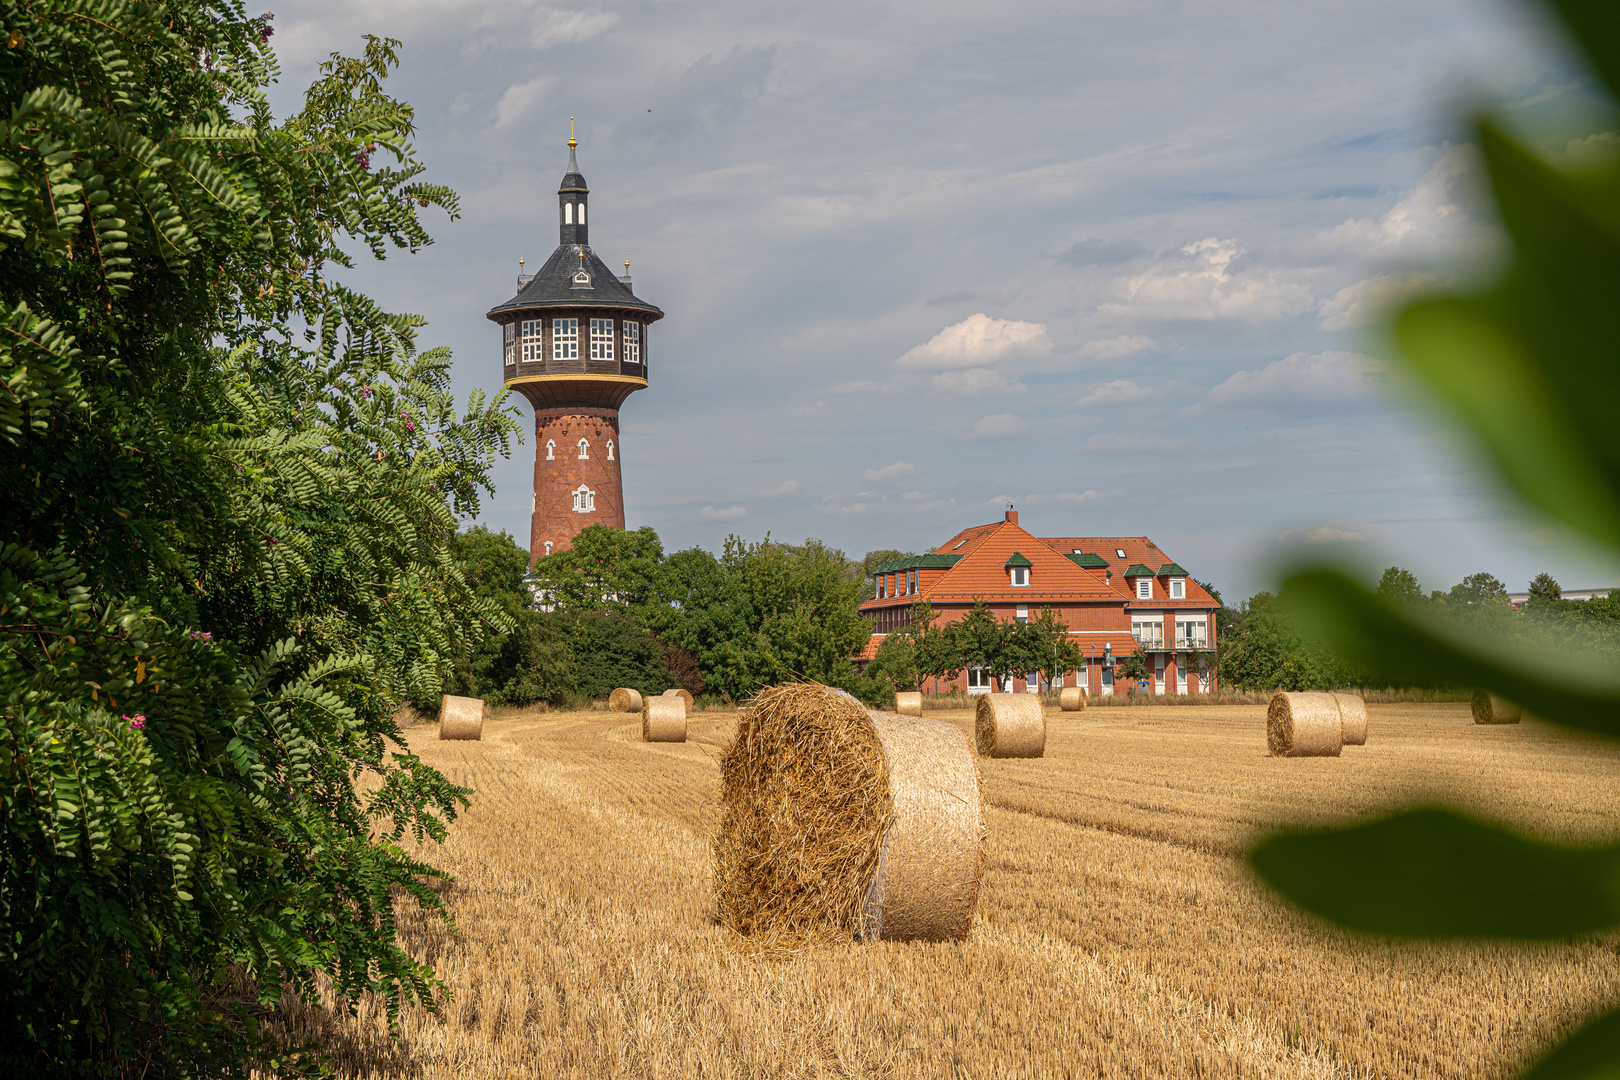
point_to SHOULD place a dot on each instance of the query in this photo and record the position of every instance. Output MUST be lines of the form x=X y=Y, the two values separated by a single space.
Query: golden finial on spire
x=520 y=260
x=572 y=142
x=627 y=264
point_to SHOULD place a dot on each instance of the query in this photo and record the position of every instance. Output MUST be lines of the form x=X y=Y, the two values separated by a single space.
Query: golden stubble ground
x=1117 y=932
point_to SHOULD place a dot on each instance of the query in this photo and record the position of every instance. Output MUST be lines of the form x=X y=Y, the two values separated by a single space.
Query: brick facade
x=560 y=471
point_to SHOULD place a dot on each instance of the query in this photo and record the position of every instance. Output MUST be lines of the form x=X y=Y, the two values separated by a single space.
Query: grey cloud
x=1093 y=251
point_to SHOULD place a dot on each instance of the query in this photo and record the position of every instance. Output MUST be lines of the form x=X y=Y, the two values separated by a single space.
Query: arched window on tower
x=551 y=449
x=568 y=213
x=582 y=213
x=548 y=547
x=584 y=500
x=610 y=449
x=584 y=450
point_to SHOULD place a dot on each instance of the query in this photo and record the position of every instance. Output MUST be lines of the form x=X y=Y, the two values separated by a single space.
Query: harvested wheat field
x=1116 y=933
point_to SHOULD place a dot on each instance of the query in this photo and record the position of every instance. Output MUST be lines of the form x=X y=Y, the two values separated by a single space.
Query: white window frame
x=610 y=449
x=551 y=449
x=1021 y=613
x=582 y=211
x=1152 y=624
x=509 y=344
x=568 y=213
x=1032 y=685
x=1158 y=674
x=584 y=449
x=1192 y=621
x=632 y=341
x=1144 y=588
x=565 y=339
x=584 y=500
x=601 y=339
x=978 y=678
x=548 y=547
x=1119 y=552
x=1181 y=677
x=1178 y=588
x=1020 y=577
x=1107 y=689
x=532 y=329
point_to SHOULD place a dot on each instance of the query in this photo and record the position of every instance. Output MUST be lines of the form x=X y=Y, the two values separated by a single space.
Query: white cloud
x=1118 y=392
x=1365 y=302
x=1325 y=534
x=552 y=27
x=1115 y=347
x=889 y=472
x=1000 y=427
x=518 y=99
x=1300 y=382
x=1437 y=215
x=1136 y=444
x=975 y=381
x=786 y=487
x=730 y=513
x=1203 y=283
x=977 y=341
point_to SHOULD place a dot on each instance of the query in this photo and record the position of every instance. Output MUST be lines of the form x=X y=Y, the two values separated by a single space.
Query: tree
x=939 y=650
x=1400 y=585
x=1477 y=591
x=230 y=484
x=988 y=642
x=610 y=650
x=533 y=661
x=1534 y=345
x=869 y=564
x=896 y=663
x=1267 y=652
x=1047 y=647
x=1545 y=589
x=604 y=569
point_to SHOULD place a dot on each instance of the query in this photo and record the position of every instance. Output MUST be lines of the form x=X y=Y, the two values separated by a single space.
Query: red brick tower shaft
x=576 y=476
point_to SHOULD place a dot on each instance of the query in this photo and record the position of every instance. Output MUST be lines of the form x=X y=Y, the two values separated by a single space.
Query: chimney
x=1011 y=515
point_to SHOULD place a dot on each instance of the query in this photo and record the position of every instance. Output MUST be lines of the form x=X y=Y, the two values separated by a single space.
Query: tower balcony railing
x=1180 y=644
x=522 y=370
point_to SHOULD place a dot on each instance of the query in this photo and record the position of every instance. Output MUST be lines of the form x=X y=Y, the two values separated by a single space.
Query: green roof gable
x=1088 y=560
x=1137 y=570
x=1016 y=559
x=1172 y=568
x=918 y=562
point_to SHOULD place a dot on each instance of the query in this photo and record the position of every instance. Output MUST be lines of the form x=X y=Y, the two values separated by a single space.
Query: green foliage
x=610 y=651
x=1401 y=585
x=1047 y=646
x=1265 y=651
x=230 y=484
x=1528 y=365
x=1544 y=588
x=896 y=664
x=985 y=641
x=533 y=660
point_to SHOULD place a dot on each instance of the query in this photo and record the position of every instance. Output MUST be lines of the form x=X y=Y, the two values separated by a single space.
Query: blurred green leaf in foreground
x=1529 y=365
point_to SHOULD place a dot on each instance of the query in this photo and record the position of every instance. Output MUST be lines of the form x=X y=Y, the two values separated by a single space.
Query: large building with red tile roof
x=1118 y=595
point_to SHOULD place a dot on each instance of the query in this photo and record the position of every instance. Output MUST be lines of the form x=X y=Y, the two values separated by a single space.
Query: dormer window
x=582 y=278
x=1144 y=588
x=1018 y=569
x=584 y=450
x=1178 y=588
x=1020 y=575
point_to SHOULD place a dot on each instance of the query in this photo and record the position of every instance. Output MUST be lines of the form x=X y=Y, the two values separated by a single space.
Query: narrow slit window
x=601 y=339
x=582 y=213
x=584 y=449
x=565 y=339
x=568 y=213
x=531 y=341
x=632 y=342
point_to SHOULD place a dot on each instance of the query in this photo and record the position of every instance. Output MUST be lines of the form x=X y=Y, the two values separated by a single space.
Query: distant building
x=1519 y=599
x=575 y=344
x=1117 y=594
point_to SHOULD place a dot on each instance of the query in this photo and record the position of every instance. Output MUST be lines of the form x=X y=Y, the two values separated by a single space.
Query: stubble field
x=1116 y=933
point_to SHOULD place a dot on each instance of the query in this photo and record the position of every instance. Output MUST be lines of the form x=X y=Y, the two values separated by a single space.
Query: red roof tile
x=1138 y=549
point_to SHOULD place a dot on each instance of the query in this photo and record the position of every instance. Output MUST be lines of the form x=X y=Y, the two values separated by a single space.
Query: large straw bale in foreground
x=1304 y=725
x=837 y=823
x=1490 y=709
x=663 y=719
x=683 y=693
x=461 y=718
x=1352 y=719
x=624 y=699
x=1010 y=725
x=908 y=703
x=1072 y=699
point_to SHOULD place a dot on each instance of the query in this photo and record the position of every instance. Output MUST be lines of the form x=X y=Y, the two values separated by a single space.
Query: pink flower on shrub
x=136 y=722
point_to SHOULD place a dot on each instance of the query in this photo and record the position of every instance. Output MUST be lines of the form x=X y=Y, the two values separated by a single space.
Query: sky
x=1120 y=264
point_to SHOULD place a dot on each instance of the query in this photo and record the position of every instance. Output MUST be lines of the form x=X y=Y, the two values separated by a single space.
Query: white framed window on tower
x=584 y=449
x=584 y=500
x=509 y=344
x=610 y=449
x=632 y=341
x=551 y=449
x=1144 y=588
x=531 y=341
x=582 y=213
x=601 y=339
x=548 y=547
x=568 y=213
x=565 y=339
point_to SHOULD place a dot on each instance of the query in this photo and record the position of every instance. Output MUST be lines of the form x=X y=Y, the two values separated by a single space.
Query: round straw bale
x=1072 y=699
x=1352 y=719
x=1304 y=725
x=683 y=693
x=1490 y=709
x=663 y=719
x=908 y=703
x=839 y=824
x=461 y=718
x=625 y=699
x=1010 y=725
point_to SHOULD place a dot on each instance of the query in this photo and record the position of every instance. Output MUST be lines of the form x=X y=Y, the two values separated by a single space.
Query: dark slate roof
x=553 y=285
x=572 y=180
x=915 y=562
